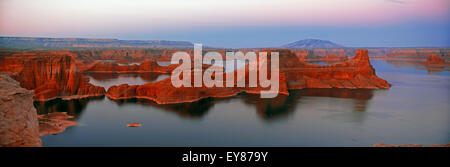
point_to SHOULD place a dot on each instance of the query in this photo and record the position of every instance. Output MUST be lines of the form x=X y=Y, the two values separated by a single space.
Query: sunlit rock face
x=51 y=75
x=294 y=74
x=59 y=74
x=18 y=118
x=353 y=73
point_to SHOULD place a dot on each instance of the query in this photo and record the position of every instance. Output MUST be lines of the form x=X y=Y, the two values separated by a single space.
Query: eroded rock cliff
x=51 y=75
x=294 y=74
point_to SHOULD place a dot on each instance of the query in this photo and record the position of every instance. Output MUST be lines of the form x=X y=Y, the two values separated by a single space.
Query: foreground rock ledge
x=18 y=118
x=294 y=74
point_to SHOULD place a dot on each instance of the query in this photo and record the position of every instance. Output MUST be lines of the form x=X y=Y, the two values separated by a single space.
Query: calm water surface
x=414 y=110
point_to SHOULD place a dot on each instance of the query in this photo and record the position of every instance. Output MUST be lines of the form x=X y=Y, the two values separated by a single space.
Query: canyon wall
x=50 y=74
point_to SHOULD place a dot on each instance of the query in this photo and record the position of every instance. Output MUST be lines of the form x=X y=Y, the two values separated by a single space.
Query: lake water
x=415 y=110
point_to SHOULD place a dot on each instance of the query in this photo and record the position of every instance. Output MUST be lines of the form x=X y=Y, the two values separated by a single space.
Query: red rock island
x=294 y=74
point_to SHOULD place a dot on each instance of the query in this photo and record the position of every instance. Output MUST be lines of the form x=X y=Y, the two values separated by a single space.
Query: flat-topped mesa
x=52 y=76
x=353 y=73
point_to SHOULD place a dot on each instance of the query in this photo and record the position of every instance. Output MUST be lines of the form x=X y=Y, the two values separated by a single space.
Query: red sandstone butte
x=353 y=73
x=294 y=74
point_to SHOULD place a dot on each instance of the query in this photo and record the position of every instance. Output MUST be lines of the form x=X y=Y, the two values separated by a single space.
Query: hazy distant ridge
x=312 y=43
x=32 y=42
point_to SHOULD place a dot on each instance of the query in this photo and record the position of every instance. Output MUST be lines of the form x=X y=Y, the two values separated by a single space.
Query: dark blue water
x=415 y=110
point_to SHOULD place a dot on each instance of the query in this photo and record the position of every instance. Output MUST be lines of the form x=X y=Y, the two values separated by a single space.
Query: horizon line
x=118 y=39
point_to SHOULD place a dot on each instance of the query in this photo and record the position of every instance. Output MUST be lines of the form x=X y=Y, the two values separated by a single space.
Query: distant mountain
x=50 y=43
x=312 y=43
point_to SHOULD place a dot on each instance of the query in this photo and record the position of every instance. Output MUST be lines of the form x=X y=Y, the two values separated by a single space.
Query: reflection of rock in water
x=358 y=94
x=361 y=96
x=267 y=109
x=73 y=107
x=196 y=109
x=273 y=108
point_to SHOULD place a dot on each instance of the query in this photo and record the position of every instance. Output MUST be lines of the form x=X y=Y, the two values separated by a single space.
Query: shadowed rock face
x=18 y=119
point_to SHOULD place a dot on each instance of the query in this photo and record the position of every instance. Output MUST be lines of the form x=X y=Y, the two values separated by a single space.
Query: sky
x=235 y=23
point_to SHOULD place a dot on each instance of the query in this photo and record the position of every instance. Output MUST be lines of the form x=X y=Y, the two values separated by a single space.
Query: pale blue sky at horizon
x=235 y=23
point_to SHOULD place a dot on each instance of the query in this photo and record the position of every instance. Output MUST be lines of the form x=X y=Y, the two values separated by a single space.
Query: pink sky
x=46 y=17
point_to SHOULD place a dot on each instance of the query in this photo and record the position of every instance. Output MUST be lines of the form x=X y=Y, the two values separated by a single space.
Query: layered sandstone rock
x=51 y=75
x=18 y=118
x=294 y=74
x=54 y=74
x=163 y=92
x=353 y=73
